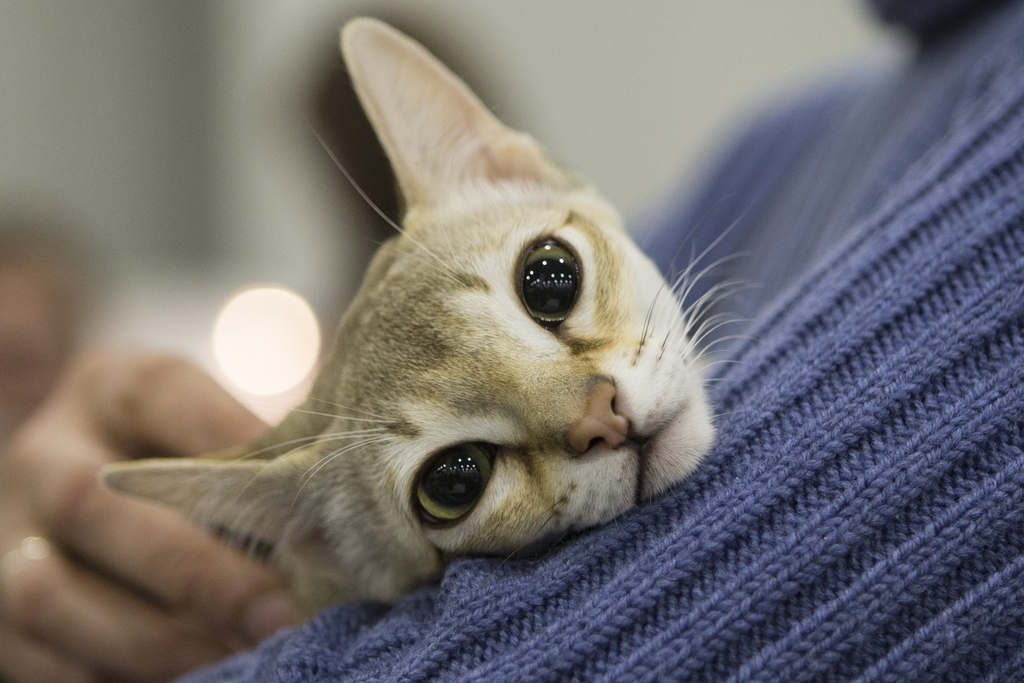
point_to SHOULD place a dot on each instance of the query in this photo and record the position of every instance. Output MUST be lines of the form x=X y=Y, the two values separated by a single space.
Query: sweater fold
x=861 y=516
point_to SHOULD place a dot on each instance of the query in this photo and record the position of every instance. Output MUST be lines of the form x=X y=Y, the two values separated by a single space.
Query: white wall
x=103 y=109
x=172 y=128
x=628 y=94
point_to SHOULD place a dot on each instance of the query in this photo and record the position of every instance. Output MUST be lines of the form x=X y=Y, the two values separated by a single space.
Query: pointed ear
x=436 y=132
x=243 y=498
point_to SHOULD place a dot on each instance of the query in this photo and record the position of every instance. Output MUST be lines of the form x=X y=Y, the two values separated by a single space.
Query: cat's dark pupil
x=550 y=281
x=455 y=480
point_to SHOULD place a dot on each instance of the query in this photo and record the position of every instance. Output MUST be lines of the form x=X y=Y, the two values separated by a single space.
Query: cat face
x=447 y=347
x=512 y=368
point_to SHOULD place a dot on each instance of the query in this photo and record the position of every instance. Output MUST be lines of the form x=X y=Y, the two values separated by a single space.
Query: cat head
x=513 y=367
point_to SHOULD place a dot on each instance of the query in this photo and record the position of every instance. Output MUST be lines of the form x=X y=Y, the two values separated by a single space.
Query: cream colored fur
x=437 y=349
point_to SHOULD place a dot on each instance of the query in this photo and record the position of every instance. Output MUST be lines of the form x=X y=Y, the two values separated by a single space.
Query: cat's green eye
x=454 y=481
x=551 y=280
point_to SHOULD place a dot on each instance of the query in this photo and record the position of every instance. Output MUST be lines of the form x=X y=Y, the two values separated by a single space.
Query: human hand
x=94 y=585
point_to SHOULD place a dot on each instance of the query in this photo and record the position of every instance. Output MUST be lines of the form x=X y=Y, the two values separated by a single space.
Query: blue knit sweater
x=861 y=516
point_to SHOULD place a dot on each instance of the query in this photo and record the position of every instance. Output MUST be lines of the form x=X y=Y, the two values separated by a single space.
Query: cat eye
x=550 y=282
x=454 y=481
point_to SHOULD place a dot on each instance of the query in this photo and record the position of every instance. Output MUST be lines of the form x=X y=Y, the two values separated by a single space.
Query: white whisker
x=312 y=440
x=647 y=324
x=308 y=475
x=694 y=262
x=382 y=418
x=553 y=510
x=448 y=270
x=340 y=416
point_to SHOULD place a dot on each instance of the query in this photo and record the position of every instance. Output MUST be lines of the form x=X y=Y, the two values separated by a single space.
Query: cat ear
x=436 y=132
x=244 y=498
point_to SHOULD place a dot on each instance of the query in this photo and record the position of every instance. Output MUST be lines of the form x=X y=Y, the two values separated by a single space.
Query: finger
x=159 y=551
x=153 y=549
x=105 y=628
x=166 y=404
x=26 y=661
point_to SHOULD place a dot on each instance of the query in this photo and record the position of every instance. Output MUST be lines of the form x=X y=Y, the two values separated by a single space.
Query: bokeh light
x=266 y=340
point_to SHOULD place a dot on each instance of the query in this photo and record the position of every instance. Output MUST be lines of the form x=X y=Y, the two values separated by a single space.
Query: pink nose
x=599 y=421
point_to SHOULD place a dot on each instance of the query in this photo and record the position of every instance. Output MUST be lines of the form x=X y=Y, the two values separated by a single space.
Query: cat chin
x=675 y=451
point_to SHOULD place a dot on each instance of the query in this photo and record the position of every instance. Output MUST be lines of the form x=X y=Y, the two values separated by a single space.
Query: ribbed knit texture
x=861 y=517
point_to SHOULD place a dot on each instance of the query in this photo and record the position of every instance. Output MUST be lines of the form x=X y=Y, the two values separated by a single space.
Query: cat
x=513 y=368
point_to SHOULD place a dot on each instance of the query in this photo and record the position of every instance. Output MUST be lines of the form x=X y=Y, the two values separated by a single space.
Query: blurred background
x=158 y=159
